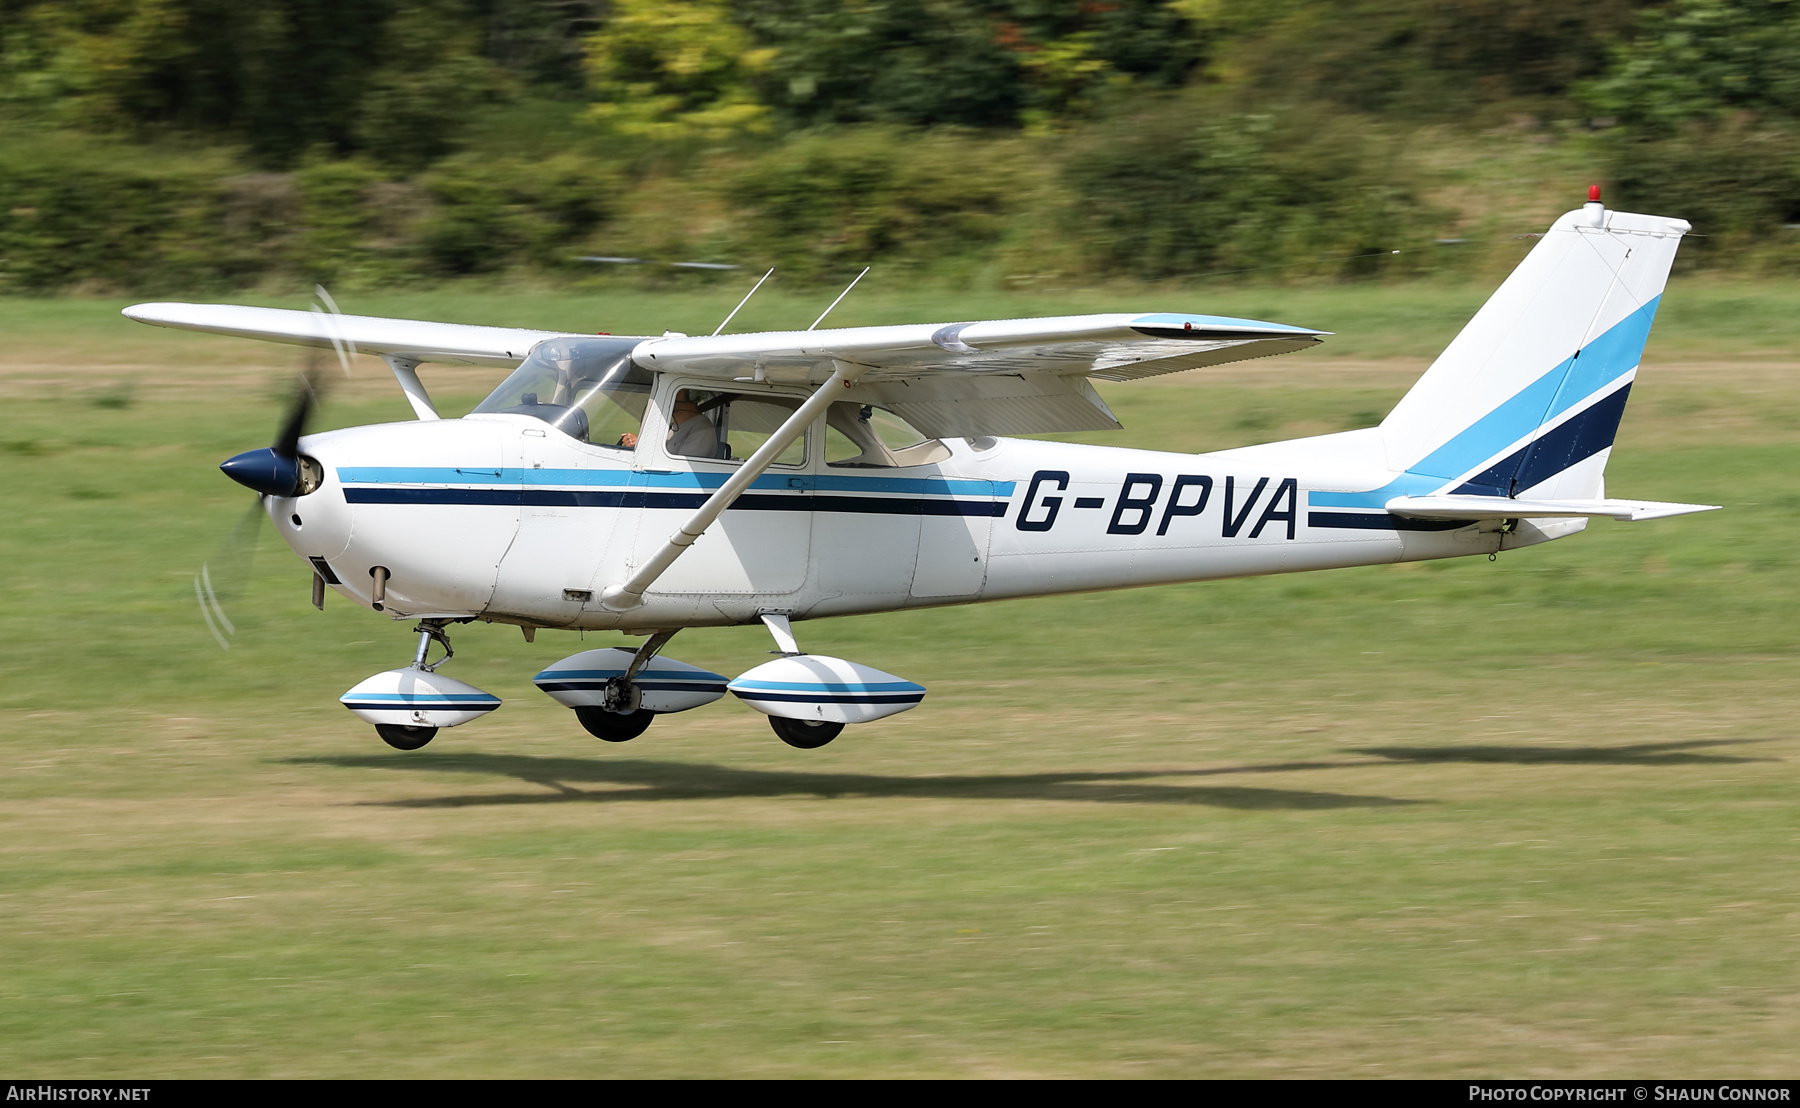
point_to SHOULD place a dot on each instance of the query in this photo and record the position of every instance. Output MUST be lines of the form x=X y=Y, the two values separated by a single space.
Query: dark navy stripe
x=638 y=498
x=408 y=706
x=1536 y=462
x=594 y=686
x=1359 y=521
x=819 y=698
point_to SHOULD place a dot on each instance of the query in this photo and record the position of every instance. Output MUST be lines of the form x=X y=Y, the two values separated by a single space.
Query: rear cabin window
x=863 y=436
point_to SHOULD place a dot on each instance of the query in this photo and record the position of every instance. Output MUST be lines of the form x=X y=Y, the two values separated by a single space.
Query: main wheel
x=402 y=736
x=612 y=726
x=807 y=734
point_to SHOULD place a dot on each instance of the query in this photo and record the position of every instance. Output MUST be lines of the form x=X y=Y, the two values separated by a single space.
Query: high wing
x=410 y=339
x=995 y=377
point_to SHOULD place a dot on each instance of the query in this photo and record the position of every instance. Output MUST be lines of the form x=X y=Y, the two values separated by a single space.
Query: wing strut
x=406 y=371
x=620 y=598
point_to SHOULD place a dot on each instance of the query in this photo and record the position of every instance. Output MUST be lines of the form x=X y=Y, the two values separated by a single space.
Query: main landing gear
x=807 y=734
x=621 y=716
x=404 y=736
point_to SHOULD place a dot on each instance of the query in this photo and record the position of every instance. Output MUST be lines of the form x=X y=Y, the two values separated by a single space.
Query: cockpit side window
x=589 y=389
x=729 y=427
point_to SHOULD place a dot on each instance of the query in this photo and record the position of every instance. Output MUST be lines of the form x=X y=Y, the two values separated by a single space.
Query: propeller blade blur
x=222 y=577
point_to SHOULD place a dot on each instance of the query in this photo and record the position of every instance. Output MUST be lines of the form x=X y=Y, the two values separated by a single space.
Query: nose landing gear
x=409 y=706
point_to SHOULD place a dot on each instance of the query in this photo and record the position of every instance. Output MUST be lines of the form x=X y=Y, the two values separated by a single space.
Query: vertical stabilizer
x=1527 y=399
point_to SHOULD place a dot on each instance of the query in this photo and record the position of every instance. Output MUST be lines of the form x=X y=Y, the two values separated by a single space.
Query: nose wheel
x=400 y=736
x=807 y=734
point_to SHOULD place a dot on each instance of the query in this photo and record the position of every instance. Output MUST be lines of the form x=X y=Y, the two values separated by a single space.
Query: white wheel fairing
x=820 y=688
x=666 y=685
x=414 y=698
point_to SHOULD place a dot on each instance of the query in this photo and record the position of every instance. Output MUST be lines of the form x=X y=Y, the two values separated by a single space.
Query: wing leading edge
x=417 y=340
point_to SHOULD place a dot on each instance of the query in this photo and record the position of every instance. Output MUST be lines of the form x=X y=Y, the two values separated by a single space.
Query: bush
x=834 y=200
x=1738 y=183
x=487 y=216
x=1163 y=194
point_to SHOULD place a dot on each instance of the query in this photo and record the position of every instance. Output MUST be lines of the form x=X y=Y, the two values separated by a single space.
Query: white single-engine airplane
x=651 y=484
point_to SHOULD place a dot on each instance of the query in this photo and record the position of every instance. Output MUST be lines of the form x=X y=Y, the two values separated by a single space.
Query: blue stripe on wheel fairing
x=1570 y=385
x=468 y=699
x=825 y=698
x=827 y=686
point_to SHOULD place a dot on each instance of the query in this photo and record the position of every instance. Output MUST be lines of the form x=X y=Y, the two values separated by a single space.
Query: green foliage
x=76 y=218
x=391 y=77
x=1161 y=193
x=492 y=215
x=671 y=69
x=1412 y=58
x=1706 y=98
x=1737 y=182
x=410 y=116
x=920 y=62
x=833 y=200
x=1700 y=60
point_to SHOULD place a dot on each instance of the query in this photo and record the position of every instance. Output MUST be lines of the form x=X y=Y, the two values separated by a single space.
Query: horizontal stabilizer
x=1502 y=507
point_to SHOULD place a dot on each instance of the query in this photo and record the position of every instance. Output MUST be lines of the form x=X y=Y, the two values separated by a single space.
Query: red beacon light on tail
x=1596 y=211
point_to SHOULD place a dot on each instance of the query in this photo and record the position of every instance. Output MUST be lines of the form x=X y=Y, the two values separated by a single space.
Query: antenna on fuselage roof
x=744 y=301
x=840 y=298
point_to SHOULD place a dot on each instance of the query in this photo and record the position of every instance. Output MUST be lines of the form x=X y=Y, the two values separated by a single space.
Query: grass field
x=1530 y=817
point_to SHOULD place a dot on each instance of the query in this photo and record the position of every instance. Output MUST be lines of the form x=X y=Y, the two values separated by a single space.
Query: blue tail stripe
x=1569 y=385
x=1580 y=438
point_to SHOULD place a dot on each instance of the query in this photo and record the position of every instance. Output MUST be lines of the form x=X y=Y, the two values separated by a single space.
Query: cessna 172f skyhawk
x=652 y=484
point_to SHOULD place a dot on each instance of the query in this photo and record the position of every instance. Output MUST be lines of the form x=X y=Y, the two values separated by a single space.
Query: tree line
x=197 y=142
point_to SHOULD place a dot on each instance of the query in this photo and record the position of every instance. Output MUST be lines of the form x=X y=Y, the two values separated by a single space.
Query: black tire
x=612 y=726
x=807 y=734
x=402 y=736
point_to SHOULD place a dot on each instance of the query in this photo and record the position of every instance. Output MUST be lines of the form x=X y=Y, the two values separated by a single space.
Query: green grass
x=1463 y=818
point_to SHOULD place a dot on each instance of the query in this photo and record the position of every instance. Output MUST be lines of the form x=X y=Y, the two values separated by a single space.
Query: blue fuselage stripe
x=796 y=501
x=635 y=479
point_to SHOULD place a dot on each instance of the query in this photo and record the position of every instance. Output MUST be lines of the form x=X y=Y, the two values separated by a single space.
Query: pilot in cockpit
x=691 y=433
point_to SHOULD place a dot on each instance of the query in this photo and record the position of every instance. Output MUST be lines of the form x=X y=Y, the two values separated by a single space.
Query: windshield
x=586 y=388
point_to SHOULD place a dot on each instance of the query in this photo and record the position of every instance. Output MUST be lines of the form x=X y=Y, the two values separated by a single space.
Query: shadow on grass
x=635 y=779
x=1678 y=753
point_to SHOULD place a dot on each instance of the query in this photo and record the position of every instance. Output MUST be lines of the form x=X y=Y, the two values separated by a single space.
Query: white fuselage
x=503 y=518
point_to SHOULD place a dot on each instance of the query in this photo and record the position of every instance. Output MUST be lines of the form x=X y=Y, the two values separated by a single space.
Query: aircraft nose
x=264 y=471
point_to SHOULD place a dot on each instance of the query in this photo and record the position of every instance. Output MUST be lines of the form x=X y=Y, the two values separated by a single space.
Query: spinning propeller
x=276 y=470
